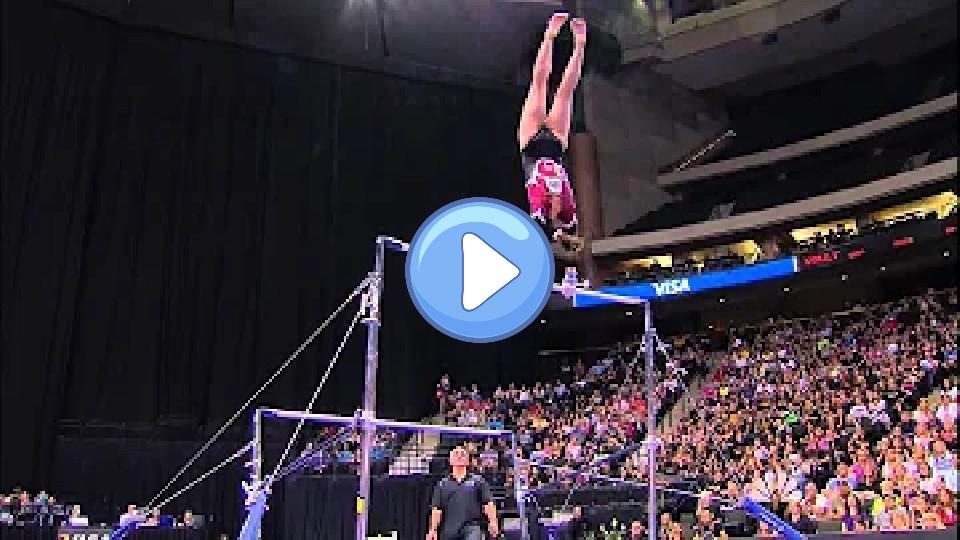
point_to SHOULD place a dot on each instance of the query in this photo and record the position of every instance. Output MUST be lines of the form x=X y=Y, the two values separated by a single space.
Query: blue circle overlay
x=434 y=269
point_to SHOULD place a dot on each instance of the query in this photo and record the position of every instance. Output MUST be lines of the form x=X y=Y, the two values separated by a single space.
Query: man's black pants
x=469 y=532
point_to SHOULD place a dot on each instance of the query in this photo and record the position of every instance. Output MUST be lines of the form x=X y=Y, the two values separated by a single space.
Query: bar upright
x=368 y=412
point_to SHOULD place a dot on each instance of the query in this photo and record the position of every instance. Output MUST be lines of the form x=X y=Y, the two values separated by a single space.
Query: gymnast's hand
x=431 y=535
x=493 y=529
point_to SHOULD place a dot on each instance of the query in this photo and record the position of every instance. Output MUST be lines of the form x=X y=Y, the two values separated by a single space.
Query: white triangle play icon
x=484 y=271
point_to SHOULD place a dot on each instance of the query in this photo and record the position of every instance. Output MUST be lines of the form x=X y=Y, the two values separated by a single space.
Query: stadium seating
x=842 y=422
x=599 y=406
x=849 y=417
x=843 y=99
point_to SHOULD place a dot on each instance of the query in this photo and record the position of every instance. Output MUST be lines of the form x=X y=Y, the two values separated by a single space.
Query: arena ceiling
x=481 y=40
x=492 y=42
x=859 y=32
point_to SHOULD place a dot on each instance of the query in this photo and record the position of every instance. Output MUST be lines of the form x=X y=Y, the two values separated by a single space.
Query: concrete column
x=583 y=161
x=583 y=158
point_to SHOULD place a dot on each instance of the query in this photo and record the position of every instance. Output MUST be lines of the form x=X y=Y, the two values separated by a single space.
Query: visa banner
x=696 y=283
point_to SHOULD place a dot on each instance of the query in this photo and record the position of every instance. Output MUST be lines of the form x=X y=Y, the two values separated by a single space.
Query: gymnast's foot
x=555 y=24
x=579 y=28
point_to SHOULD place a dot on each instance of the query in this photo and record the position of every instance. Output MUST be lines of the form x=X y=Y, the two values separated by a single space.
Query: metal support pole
x=256 y=453
x=519 y=488
x=650 y=337
x=370 y=388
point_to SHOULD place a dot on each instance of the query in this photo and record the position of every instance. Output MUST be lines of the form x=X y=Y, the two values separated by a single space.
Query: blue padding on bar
x=760 y=513
x=123 y=530
x=706 y=281
x=251 y=526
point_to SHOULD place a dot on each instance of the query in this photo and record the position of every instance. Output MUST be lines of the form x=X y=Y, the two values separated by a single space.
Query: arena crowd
x=848 y=419
x=588 y=413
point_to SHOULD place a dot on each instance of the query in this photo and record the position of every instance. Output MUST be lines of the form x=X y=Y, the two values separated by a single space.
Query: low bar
x=314 y=417
x=411 y=426
x=449 y=430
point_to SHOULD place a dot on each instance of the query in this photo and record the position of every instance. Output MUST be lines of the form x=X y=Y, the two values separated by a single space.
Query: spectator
x=75 y=518
x=133 y=513
x=798 y=520
x=153 y=518
x=188 y=520
x=443 y=393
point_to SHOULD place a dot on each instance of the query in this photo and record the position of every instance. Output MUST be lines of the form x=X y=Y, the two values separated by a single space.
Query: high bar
x=393 y=244
x=620 y=299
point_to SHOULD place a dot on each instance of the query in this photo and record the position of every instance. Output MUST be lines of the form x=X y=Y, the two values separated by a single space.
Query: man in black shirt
x=460 y=504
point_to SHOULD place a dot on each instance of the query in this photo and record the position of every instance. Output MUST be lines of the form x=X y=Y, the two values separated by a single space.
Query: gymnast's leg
x=534 y=113
x=558 y=120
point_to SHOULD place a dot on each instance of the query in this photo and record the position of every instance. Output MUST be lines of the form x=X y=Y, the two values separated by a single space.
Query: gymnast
x=543 y=135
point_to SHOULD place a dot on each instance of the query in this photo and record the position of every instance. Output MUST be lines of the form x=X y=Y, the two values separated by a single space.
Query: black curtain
x=177 y=215
x=324 y=507
x=108 y=473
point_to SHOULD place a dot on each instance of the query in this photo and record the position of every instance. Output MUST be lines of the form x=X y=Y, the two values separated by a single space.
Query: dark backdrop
x=316 y=507
x=177 y=215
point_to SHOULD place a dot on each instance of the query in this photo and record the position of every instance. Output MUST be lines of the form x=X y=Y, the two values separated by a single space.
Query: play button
x=485 y=271
x=479 y=270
